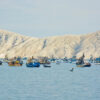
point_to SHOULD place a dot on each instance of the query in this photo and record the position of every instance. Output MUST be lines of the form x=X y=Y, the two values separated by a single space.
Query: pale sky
x=41 y=18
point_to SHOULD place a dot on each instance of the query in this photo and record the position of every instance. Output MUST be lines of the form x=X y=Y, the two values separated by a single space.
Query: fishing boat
x=15 y=63
x=91 y=59
x=36 y=64
x=46 y=65
x=84 y=65
x=72 y=60
x=31 y=64
x=0 y=62
x=43 y=60
x=58 y=62
x=81 y=63
x=97 y=61
x=87 y=64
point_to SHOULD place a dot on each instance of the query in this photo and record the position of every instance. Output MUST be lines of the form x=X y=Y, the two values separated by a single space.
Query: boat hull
x=17 y=65
x=33 y=64
x=0 y=62
x=79 y=65
x=46 y=65
x=83 y=65
x=29 y=65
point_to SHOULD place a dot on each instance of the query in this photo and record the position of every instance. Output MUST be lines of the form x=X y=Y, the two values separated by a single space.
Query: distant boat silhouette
x=72 y=70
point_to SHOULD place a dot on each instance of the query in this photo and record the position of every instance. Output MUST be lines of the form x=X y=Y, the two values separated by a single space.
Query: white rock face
x=13 y=44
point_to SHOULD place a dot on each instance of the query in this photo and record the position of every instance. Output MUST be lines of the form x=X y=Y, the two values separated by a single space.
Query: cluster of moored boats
x=46 y=62
x=29 y=62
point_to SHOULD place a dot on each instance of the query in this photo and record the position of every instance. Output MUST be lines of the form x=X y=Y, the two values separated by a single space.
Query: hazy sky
x=42 y=18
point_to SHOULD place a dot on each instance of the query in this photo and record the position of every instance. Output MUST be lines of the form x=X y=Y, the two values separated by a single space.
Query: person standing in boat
x=82 y=59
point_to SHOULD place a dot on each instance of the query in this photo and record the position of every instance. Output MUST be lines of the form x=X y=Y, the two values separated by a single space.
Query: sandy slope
x=14 y=44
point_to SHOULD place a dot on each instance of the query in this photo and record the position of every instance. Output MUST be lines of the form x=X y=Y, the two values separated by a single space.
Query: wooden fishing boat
x=14 y=63
x=84 y=65
x=81 y=63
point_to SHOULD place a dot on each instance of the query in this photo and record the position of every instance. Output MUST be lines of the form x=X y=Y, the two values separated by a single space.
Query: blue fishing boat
x=29 y=64
x=97 y=61
x=35 y=64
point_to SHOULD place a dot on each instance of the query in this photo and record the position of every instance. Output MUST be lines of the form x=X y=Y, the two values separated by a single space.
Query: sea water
x=55 y=83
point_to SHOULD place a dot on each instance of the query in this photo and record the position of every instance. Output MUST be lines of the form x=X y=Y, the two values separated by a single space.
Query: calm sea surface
x=55 y=83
